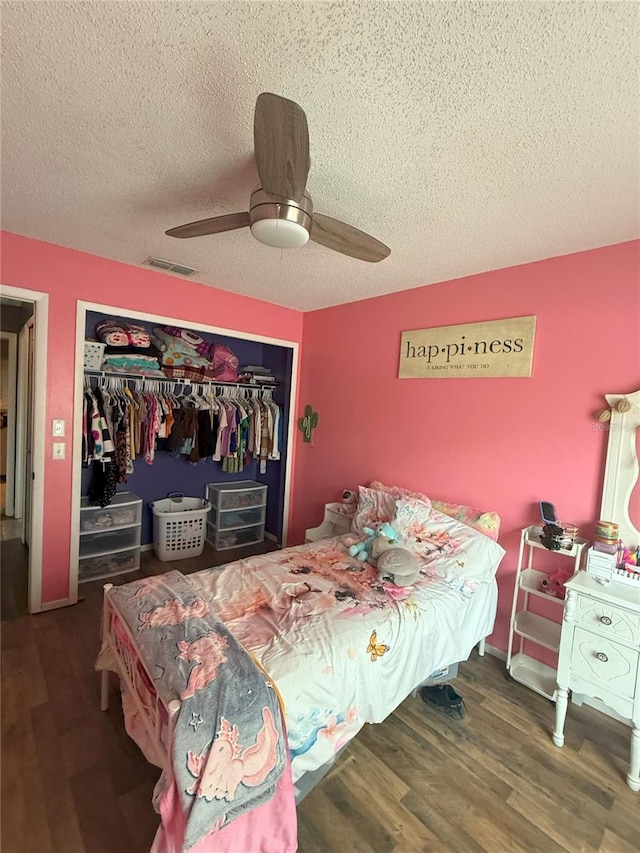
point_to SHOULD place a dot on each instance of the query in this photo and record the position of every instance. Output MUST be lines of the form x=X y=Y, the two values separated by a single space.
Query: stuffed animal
x=386 y=537
x=361 y=550
x=399 y=565
x=349 y=501
x=553 y=584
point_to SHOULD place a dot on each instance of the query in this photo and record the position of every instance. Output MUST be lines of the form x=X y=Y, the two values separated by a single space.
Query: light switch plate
x=57 y=429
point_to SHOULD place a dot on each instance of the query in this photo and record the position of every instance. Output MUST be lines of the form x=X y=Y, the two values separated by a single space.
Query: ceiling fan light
x=281 y=233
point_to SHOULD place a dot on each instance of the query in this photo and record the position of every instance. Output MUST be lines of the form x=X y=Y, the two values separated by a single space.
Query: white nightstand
x=335 y=523
x=600 y=655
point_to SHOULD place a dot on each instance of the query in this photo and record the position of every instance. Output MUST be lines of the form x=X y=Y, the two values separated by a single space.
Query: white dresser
x=600 y=655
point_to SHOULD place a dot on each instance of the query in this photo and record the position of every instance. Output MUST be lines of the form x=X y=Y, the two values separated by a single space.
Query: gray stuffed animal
x=400 y=565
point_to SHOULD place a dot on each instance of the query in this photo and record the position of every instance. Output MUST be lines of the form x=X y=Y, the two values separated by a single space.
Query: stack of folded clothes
x=255 y=373
x=128 y=348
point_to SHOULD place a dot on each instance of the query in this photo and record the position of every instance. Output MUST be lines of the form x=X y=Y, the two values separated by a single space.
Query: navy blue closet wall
x=175 y=474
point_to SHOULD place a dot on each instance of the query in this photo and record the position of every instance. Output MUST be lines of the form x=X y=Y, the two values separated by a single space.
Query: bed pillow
x=485 y=522
x=185 y=336
x=374 y=506
x=398 y=493
x=172 y=343
x=447 y=549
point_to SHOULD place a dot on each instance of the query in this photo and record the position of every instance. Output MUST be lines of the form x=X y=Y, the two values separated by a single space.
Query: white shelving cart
x=526 y=625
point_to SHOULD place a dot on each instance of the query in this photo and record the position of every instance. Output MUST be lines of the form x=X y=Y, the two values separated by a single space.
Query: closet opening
x=174 y=398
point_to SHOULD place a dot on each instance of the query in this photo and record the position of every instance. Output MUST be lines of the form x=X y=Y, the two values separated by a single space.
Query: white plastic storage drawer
x=92 y=544
x=125 y=510
x=238 y=495
x=223 y=539
x=230 y=518
x=105 y=565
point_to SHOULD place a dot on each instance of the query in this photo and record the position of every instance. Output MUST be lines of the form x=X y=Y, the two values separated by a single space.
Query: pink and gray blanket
x=229 y=747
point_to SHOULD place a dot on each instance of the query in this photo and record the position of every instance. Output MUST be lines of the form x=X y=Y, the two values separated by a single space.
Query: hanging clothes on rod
x=126 y=418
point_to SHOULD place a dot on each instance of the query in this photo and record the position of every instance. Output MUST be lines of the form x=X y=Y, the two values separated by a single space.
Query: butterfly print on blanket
x=375 y=649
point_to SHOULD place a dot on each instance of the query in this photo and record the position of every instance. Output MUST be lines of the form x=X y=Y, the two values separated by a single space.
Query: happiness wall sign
x=494 y=348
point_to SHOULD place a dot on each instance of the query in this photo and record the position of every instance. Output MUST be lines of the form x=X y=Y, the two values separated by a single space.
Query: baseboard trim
x=494 y=652
x=54 y=605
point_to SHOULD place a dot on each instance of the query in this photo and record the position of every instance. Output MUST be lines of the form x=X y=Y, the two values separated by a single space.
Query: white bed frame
x=157 y=717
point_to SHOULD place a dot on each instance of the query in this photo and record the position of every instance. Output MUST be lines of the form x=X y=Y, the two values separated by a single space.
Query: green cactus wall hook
x=308 y=423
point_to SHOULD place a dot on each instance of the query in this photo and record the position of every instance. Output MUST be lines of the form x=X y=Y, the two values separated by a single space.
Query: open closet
x=149 y=432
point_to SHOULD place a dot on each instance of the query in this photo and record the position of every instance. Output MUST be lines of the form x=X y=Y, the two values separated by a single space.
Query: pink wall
x=495 y=443
x=67 y=276
x=500 y=444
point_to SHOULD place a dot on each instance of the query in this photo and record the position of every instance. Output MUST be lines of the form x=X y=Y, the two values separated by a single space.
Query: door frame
x=11 y=391
x=41 y=322
x=82 y=308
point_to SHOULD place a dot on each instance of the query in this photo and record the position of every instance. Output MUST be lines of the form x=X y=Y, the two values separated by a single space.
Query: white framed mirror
x=621 y=490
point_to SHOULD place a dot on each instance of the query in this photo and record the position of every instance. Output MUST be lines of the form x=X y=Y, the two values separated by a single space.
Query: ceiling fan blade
x=215 y=225
x=281 y=142
x=345 y=238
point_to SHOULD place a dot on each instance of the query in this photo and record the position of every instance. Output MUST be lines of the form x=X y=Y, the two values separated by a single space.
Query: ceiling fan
x=281 y=211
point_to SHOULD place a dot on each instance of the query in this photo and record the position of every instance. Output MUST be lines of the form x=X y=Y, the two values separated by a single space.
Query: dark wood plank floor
x=73 y=782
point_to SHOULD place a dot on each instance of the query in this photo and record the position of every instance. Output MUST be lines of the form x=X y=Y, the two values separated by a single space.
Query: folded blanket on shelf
x=193 y=374
x=130 y=362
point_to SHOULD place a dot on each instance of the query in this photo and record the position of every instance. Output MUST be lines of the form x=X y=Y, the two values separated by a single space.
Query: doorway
x=23 y=316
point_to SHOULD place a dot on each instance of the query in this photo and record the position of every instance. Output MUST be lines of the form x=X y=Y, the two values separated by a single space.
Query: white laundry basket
x=179 y=527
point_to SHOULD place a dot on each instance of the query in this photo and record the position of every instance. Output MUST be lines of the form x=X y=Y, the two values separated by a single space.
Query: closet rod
x=138 y=376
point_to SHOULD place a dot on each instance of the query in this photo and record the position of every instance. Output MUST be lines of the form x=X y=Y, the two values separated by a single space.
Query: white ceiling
x=466 y=136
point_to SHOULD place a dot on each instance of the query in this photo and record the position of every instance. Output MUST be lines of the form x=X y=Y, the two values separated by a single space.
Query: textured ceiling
x=466 y=136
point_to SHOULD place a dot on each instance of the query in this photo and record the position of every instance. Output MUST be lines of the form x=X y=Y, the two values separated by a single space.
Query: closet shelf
x=211 y=382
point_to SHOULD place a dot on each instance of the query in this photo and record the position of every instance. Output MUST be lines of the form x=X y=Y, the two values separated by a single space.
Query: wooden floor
x=73 y=782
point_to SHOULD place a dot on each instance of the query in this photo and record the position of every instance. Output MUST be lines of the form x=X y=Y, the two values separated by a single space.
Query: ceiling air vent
x=169 y=266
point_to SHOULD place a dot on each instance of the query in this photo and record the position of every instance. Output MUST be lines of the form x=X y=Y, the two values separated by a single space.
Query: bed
x=339 y=645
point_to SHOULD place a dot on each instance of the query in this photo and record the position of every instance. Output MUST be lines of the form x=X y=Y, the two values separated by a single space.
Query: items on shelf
x=171 y=351
x=555 y=534
x=607 y=537
x=255 y=373
x=621 y=566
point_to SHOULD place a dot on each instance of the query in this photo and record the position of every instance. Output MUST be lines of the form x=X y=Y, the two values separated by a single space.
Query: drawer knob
x=605 y=620
x=601 y=656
